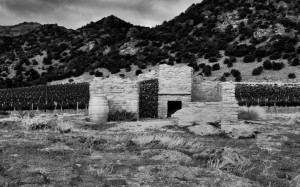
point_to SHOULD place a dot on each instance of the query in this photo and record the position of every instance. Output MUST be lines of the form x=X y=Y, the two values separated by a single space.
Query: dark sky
x=77 y=13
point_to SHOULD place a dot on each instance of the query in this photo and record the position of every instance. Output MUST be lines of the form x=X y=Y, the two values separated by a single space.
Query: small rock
x=150 y=153
x=15 y=155
x=204 y=130
x=187 y=117
x=240 y=131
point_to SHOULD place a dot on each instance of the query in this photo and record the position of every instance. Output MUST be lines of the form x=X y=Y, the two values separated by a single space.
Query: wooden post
x=77 y=108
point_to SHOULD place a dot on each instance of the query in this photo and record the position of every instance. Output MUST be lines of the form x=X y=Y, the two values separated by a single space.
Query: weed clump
x=252 y=113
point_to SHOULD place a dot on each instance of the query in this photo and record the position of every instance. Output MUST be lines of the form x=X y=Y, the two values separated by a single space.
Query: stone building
x=177 y=88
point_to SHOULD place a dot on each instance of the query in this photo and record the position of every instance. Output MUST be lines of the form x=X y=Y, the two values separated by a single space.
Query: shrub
x=216 y=67
x=291 y=76
x=298 y=50
x=249 y=58
x=257 y=71
x=223 y=79
x=252 y=113
x=235 y=72
x=230 y=65
x=226 y=74
x=277 y=65
x=238 y=78
x=286 y=56
x=137 y=72
x=65 y=126
x=233 y=59
x=202 y=65
x=122 y=116
x=99 y=74
x=275 y=56
x=259 y=59
x=295 y=62
x=267 y=65
x=226 y=61
x=128 y=69
x=213 y=59
x=35 y=62
x=207 y=70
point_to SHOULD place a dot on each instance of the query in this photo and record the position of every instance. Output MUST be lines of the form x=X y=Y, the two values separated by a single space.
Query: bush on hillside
x=98 y=74
x=291 y=76
x=238 y=78
x=226 y=74
x=202 y=65
x=235 y=73
x=213 y=59
x=257 y=71
x=216 y=67
x=277 y=65
x=222 y=79
x=295 y=62
x=275 y=56
x=230 y=65
x=207 y=70
x=226 y=61
x=267 y=65
x=249 y=59
x=138 y=72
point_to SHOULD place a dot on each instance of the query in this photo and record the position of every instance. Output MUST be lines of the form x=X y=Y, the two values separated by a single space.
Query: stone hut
x=177 y=88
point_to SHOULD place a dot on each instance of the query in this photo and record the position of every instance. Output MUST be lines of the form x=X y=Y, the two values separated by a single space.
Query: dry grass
x=295 y=119
x=65 y=126
x=252 y=113
x=166 y=140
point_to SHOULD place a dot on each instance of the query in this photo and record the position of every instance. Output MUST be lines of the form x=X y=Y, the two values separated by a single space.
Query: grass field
x=77 y=152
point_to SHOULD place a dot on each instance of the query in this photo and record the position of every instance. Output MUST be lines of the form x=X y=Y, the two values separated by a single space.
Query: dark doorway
x=173 y=106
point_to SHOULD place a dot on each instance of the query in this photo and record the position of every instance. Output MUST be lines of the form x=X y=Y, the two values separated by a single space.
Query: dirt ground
x=147 y=153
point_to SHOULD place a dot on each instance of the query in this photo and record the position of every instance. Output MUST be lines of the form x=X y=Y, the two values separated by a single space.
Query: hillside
x=214 y=37
x=19 y=29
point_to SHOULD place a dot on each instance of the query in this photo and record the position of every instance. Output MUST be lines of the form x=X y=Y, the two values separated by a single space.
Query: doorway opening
x=173 y=106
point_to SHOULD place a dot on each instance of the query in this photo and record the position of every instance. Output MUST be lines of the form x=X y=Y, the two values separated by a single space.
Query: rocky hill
x=20 y=29
x=239 y=40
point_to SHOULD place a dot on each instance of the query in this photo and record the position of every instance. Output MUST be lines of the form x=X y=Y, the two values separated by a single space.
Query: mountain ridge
x=222 y=40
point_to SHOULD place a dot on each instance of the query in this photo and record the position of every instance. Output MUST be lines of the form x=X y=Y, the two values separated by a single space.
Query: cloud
x=76 y=13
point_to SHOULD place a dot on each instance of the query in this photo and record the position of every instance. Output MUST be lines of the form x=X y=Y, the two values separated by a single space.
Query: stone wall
x=175 y=84
x=229 y=103
x=205 y=91
x=175 y=80
x=122 y=94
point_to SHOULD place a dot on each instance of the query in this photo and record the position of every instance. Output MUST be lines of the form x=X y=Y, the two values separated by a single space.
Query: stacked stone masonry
x=122 y=94
x=229 y=103
x=175 y=80
x=175 y=84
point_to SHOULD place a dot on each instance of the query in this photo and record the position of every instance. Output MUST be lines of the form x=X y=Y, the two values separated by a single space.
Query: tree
x=267 y=65
x=216 y=67
x=291 y=76
x=257 y=71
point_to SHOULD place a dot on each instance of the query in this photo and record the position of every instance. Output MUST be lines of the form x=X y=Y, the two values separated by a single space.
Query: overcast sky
x=77 y=13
